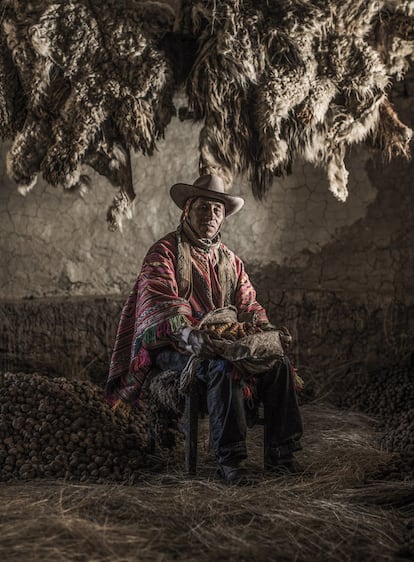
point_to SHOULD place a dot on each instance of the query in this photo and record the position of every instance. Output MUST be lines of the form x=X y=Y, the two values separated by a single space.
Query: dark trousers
x=226 y=407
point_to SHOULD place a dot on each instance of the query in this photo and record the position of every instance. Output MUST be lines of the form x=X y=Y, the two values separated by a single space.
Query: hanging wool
x=287 y=79
x=394 y=38
x=390 y=135
x=271 y=82
x=12 y=105
x=84 y=69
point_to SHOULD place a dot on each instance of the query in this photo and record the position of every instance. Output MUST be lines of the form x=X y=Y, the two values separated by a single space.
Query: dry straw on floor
x=329 y=513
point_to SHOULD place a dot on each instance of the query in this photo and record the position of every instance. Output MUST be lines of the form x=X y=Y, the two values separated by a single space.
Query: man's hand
x=200 y=343
x=194 y=341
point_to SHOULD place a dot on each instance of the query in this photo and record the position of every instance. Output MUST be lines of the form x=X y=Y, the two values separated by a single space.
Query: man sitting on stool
x=185 y=276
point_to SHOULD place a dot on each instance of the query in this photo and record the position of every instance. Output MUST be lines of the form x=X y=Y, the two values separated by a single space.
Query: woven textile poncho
x=155 y=308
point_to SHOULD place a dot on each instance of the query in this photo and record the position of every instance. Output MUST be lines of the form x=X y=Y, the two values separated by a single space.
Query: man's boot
x=234 y=474
x=283 y=466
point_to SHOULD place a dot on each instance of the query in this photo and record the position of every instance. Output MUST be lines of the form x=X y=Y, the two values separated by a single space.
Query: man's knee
x=277 y=377
x=282 y=371
x=219 y=367
x=215 y=370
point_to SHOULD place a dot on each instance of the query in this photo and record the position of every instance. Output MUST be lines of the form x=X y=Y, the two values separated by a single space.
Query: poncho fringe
x=164 y=329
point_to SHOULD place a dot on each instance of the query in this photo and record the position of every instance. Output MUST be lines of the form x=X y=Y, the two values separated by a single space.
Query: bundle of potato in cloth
x=253 y=349
x=250 y=348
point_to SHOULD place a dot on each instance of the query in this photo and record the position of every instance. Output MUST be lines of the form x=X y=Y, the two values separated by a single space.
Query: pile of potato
x=56 y=428
x=389 y=395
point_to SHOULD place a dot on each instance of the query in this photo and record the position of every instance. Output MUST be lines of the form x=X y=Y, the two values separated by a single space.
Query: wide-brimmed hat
x=209 y=186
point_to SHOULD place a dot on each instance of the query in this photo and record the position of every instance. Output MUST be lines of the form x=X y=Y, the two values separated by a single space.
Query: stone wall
x=340 y=274
x=73 y=336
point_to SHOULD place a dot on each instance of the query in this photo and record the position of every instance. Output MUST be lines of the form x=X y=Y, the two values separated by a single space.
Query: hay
x=385 y=494
x=317 y=516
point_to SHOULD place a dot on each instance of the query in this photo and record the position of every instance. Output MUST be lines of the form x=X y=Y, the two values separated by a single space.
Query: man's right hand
x=200 y=343
x=192 y=340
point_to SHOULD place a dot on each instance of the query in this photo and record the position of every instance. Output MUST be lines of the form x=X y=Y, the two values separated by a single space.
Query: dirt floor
x=333 y=512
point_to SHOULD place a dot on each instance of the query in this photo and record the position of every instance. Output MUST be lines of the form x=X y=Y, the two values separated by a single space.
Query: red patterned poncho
x=181 y=280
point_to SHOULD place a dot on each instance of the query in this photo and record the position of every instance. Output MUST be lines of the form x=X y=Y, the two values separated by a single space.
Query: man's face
x=206 y=217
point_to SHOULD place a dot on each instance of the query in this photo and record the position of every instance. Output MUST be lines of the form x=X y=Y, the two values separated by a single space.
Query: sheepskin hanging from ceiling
x=95 y=86
x=270 y=80
x=277 y=80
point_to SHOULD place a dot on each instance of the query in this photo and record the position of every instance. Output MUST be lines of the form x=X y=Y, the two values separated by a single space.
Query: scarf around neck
x=186 y=237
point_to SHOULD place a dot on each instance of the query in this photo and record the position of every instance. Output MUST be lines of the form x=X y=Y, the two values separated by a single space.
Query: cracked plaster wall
x=339 y=274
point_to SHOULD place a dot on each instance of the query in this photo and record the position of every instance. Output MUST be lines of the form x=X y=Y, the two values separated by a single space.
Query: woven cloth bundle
x=251 y=349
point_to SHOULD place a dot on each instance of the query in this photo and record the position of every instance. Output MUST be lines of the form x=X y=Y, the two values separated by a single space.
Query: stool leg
x=151 y=439
x=191 y=429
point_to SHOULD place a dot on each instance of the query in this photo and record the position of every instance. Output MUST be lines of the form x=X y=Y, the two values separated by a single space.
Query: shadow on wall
x=73 y=337
x=353 y=302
